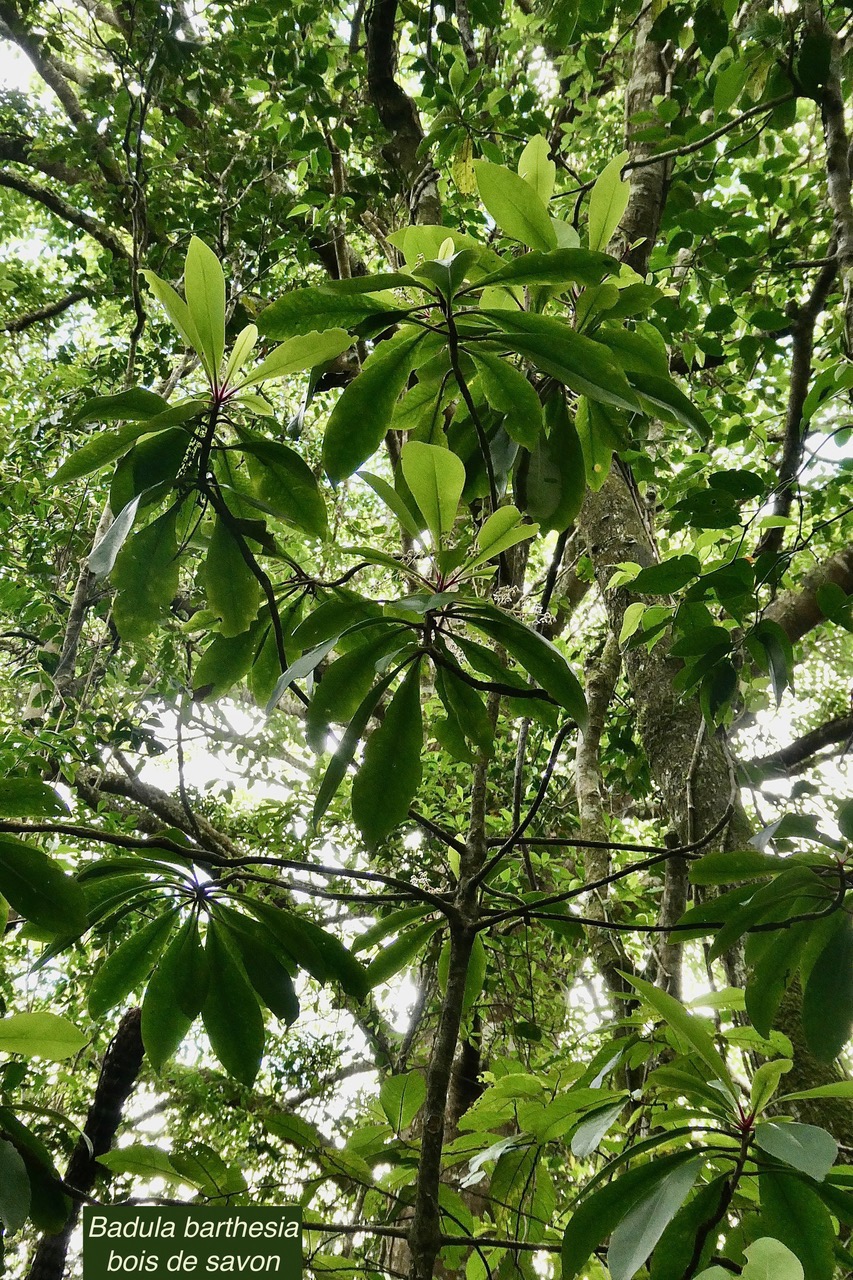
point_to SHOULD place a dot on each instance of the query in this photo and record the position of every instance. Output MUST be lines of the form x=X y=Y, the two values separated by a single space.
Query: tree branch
x=48 y=312
x=835 y=732
x=67 y=212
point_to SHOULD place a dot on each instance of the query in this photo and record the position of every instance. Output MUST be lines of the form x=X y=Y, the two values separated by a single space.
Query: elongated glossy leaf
x=739 y=864
x=560 y=266
x=641 y=1229
x=515 y=206
x=363 y=412
x=174 y=995
x=508 y=391
x=297 y=670
x=685 y=1024
x=601 y=1212
x=40 y=1035
x=244 y=345
x=466 y=706
x=146 y=577
x=106 y=446
x=343 y=756
x=840 y=1089
x=232 y=590
x=401 y=1098
x=828 y=997
x=103 y=556
x=537 y=168
x=318 y=309
x=204 y=286
x=304 y=351
x=390 y=774
x=261 y=960
x=579 y=362
x=591 y=1130
x=792 y=1212
x=802 y=1146
x=551 y=480
x=661 y=398
x=391 y=923
x=141 y=1160
x=770 y=1259
x=346 y=681
x=285 y=482
x=674 y=1253
x=134 y=405
x=14 y=1188
x=130 y=963
x=392 y=499
x=231 y=1014
x=179 y=313
x=608 y=201
x=540 y=658
x=38 y=888
x=436 y=478
x=29 y=798
x=400 y=953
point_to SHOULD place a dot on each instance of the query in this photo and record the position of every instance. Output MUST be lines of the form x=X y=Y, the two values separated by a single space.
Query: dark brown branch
x=17 y=149
x=798 y=611
x=66 y=212
x=50 y=72
x=119 y=1071
x=398 y=113
x=48 y=312
x=836 y=732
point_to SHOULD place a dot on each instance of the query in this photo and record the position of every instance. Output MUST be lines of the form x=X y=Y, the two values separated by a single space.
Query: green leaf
x=551 y=481
x=40 y=1035
x=179 y=313
x=134 y=405
x=840 y=1089
x=765 y=1082
x=802 y=1146
x=392 y=499
x=244 y=345
x=346 y=681
x=793 y=1213
x=465 y=706
x=828 y=997
x=106 y=446
x=537 y=168
x=389 y=777
x=739 y=864
x=540 y=658
x=204 y=286
x=305 y=351
x=401 y=1098
x=14 y=1188
x=225 y=662
x=141 y=1161
x=597 y=445
x=674 y=1252
x=131 y=962
x=670 y=575
x=29 y=798
x=103 y=556
x=342 y=757
x=642 y=1227
x=285 y=482
x=39 y=889
x=400 y=953
x=508 y=391
x=608 y=200
x=661 y=398
x=232 y=590
x=769 y=1259
x=685 y=1024
x=515 y=206
x=581 y=363
x=174 y=995
x=591 y=1130
x=600 y=1213
x=303 y=311
x=260 y=954
x=436 y=478
x=146 y=578
x=560 y=266
x=231 y=1015
x=362 y=414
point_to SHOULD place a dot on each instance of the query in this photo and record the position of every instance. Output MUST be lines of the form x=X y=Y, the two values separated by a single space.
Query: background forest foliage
x=425 y=599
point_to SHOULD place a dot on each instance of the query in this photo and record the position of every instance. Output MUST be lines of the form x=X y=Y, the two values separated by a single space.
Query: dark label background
x=153 y=1258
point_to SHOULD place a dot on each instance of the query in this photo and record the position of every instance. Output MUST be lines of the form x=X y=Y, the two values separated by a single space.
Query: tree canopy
x=426 y=599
